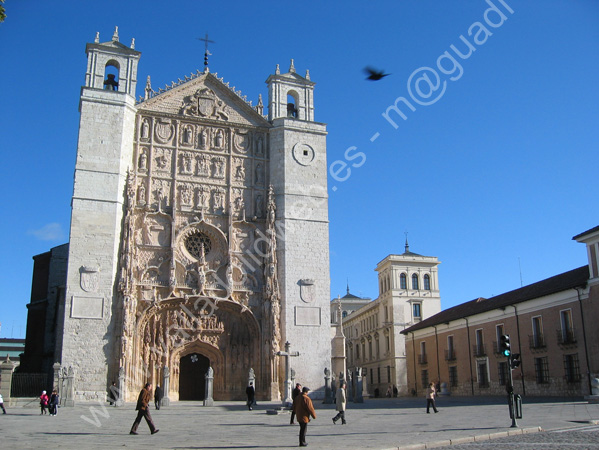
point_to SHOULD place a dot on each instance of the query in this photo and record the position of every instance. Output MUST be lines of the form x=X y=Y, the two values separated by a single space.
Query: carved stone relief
x=164 y=131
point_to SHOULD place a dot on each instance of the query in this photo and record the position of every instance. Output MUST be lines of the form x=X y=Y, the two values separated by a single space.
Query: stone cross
x=287 y=354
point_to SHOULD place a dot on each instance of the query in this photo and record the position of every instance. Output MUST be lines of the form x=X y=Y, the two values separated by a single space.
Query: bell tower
x=104 y=156
x=298 y=173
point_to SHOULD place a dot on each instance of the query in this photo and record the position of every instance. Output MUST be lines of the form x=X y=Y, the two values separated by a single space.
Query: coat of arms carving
x=90 y=278
x=307 y=290
x=204 y=103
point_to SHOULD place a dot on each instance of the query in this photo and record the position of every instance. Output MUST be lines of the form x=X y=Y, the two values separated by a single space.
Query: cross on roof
x=206 y=40
x=206 y=52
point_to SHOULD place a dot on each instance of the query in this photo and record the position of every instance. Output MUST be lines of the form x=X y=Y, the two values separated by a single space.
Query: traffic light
x=515 y=360
x=505 y=345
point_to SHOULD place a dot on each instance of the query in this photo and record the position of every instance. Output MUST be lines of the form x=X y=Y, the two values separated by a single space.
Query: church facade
x=196 y=242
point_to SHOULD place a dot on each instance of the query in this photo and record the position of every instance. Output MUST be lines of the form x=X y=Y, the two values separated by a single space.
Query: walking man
x=251 y=394
x=2 y=404
x=303 y=408
x=340 y=401
x=296 y=391
x=145 y=396
x=158 y=397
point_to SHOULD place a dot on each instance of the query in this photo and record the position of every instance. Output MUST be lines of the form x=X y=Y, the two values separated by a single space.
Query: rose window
x=195 y=242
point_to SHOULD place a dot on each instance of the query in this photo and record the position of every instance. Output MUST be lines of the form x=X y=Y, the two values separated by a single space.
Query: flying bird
x=374 y=74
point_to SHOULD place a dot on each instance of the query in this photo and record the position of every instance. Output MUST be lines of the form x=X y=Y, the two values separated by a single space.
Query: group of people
x=48 y=405
x=302 y=408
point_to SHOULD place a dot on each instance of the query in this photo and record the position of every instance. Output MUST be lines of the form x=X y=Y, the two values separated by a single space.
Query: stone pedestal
x=56 y=378
x=444 y=389
x=6 y=369
x=359 y=398
x=67 y=378
x=350 y=387
x=327 y=387
x=209 y=401
x=166 y=386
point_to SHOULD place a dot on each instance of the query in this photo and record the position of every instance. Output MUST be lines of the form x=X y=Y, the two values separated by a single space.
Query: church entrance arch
x=192 y=376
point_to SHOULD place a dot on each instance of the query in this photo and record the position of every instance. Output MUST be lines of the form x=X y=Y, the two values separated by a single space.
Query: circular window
x=195 y=242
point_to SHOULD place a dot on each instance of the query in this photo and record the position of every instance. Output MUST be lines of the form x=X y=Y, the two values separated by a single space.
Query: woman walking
x=431 y=393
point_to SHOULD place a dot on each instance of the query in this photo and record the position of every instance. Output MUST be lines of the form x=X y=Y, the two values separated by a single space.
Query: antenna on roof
x=520 y=267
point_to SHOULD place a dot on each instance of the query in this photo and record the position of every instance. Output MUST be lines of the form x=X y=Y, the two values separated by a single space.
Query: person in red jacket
x=44 y=402
x=303 y=409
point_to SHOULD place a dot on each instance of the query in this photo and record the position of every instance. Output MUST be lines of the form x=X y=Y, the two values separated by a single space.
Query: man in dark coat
x=145 y=397
x=251 y=393
x=296 y=391
x=303 y=408
x=158 y=397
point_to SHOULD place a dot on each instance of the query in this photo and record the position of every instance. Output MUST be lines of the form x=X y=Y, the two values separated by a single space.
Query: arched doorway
x=192 y=373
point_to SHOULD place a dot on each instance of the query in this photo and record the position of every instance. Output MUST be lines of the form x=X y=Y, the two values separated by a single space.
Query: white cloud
x=50 y=232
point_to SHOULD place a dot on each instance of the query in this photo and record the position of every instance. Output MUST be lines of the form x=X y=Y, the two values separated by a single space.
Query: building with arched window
x=373 y=332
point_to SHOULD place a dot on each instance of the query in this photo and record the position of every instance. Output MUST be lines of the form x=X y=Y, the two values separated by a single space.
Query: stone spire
x=148 y=89
x=260 y=105
x=277 y=70
x=115 y=36
x=291 y=67
x=97 y=40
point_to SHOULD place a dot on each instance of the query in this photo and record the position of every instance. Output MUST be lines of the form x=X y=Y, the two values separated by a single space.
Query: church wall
x=104 y=155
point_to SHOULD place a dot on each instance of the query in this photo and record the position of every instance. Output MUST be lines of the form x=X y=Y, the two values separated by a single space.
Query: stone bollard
x=327 y=386
x=359 y=398
x=350 y=387
x=208 y=400
x=166 y=386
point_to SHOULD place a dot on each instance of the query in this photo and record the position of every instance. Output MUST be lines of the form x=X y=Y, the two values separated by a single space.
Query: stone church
x=199 y=236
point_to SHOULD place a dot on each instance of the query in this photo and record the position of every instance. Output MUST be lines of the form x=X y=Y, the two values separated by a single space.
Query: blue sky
x=492 y=172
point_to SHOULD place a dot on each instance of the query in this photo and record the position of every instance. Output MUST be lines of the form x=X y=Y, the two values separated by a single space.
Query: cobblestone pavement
x=379 y=424
x=577 y=439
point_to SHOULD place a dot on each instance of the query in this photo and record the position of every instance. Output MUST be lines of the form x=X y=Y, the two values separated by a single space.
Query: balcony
x=536 y=342
x=479 y=350
x=566 y=337
x=422 y=359
x=450 y=355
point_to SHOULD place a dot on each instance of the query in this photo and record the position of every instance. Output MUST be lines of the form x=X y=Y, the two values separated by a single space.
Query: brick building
x=551 y=324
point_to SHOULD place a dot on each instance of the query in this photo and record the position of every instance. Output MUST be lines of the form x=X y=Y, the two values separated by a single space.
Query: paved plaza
x=396 y=423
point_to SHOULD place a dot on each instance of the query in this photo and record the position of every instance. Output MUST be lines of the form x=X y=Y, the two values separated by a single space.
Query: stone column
x=68 y=394
x=120 y=401
x=208 y=400
x=359 y=398
x=56 y=379
x=327 y=386
x=166 y=386
x=6 y=370
x=350 y=387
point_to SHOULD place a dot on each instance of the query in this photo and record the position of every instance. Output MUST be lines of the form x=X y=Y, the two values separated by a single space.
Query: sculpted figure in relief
x=219 y=167
x=204 y=165
x=143 y=161
x=259 y=174
x=218 y=140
